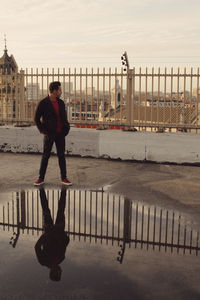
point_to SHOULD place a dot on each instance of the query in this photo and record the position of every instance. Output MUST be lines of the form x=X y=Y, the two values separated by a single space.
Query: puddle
x=103 y=246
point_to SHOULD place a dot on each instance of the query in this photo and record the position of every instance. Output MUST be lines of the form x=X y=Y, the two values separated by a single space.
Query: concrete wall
x=115 y=144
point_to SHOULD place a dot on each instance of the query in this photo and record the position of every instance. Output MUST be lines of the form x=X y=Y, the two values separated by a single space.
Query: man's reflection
x=51 y=246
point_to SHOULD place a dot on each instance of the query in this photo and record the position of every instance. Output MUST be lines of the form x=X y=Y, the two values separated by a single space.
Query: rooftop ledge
x=180 y=148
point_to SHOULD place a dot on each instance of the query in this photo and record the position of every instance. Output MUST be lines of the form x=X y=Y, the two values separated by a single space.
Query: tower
x=116 y=95
x=10 y=87
x=8 y=64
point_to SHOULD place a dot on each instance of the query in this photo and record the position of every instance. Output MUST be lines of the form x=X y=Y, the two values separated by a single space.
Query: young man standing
x=51 y=120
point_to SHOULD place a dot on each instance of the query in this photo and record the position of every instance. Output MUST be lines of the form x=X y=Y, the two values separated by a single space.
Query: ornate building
x=11 y=89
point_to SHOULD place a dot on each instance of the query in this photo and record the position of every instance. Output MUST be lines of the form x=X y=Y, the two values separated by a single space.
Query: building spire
x=5 y=43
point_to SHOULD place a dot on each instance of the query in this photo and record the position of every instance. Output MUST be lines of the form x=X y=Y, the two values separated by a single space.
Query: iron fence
x=127 y=99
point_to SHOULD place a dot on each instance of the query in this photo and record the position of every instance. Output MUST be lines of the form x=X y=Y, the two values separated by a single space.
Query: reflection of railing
x=100 y=216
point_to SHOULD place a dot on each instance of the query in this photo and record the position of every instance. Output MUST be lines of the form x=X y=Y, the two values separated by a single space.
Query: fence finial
x=125 y=61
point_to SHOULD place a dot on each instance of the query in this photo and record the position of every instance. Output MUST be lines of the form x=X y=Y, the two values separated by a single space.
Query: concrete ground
x=170 y=186
x=91 y=270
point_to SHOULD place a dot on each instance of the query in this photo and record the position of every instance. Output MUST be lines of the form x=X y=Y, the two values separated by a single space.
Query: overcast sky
x=96 y=32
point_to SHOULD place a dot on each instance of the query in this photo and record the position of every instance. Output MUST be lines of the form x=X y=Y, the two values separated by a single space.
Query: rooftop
x=115 y=254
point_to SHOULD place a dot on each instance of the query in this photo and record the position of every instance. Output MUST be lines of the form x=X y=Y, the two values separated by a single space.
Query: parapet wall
x=115 y=144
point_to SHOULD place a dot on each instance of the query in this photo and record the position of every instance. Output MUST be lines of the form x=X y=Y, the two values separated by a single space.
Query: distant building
x=33 y=91
x=11 y=88
x=116 y=95
x=67 y=90
x=90 y=91
x=44 y=93
x=110 y=106
x=67 y=87
x=196 y=92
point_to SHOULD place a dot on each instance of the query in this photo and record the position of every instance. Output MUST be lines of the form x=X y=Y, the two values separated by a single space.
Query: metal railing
x=105 y=218
x=134 y=98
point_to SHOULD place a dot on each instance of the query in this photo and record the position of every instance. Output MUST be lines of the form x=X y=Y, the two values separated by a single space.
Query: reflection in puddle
x=51 y=246
x=99 y=217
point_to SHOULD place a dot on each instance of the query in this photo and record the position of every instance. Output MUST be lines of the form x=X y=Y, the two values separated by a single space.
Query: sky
x=91 y=33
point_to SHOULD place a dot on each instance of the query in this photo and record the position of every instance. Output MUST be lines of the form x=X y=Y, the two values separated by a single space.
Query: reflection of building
x=10 y=88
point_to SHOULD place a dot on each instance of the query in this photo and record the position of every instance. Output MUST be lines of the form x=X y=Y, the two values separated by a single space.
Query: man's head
x=55 y=88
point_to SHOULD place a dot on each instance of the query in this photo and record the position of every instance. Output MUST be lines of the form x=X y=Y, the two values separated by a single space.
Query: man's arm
x=66 y=123
x=38 y=249
x=38 y=115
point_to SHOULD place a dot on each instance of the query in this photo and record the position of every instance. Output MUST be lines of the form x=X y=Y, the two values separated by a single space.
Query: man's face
x=58 y=92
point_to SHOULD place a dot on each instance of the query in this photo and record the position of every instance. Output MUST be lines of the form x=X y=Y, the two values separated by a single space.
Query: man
x=54 y=125
x=51 y=247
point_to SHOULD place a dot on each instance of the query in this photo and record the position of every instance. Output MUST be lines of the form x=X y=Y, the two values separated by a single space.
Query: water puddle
x=96 y=245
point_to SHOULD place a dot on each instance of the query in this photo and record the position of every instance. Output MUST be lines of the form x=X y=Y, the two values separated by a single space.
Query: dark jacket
x=51 y=247
x=46 y=118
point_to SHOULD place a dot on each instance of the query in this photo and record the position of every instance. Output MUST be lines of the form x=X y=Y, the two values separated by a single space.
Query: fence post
x=21 y=97
x=127 y=220
x=23 y=210
x=198 y=98
x=198 y=112
x=129 y=104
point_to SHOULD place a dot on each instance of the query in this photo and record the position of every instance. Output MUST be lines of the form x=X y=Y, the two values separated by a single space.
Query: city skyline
x=95 y=33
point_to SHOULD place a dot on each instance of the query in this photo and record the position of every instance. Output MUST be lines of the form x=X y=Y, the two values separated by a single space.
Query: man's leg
x=47 y=219
x=47 y=146
x=60 y=218
x=60 y=147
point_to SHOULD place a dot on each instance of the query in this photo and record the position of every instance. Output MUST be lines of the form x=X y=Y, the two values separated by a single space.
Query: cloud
x=59 y=30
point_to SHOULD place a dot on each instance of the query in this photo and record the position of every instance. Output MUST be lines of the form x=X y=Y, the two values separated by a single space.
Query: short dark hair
x=54 y=86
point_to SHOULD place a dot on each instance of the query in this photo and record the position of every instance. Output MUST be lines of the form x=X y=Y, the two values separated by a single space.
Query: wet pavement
x=123 y=230
x=100 y=245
